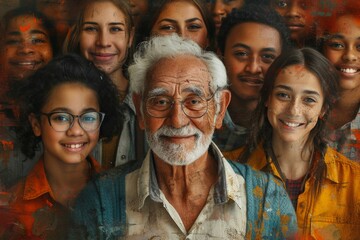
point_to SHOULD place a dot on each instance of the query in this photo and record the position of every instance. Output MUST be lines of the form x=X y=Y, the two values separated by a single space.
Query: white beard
x=178 y=154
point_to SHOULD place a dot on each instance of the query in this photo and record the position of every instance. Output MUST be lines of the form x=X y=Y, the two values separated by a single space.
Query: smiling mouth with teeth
x=74 y=146
x=349 y=70
x=290 y=124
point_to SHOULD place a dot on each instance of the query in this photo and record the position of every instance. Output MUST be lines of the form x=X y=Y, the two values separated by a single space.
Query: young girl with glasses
x=65 y=106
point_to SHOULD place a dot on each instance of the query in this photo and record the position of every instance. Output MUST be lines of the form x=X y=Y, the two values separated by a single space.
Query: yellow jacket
x=335 y=213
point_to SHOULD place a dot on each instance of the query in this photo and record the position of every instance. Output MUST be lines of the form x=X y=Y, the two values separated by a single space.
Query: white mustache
x=183 y=131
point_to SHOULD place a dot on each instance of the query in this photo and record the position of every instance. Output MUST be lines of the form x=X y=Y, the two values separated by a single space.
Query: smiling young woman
x=287 y=139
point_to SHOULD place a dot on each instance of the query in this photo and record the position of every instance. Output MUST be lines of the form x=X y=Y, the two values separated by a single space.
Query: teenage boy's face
x=250 y=48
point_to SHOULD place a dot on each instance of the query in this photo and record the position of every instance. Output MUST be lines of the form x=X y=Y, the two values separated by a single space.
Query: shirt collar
x=226 y=187
x=36 y=183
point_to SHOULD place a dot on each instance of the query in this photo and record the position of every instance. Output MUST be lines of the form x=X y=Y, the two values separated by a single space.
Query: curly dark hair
x=32 y=94
x=28 y=11
x=261 y=129
x=253 y=13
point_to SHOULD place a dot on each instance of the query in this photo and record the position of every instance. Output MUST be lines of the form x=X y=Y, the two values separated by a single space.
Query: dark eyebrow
x=112 y=23
x=193 y=20
x=336 y=36
x=33 y=31
x=237 y=45
x=67 y=110
x=268 y=50
x=167 y=20
x=290 y=89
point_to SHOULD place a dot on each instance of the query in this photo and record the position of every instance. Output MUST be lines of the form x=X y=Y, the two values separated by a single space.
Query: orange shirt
x=335 y=213
x=33 y=213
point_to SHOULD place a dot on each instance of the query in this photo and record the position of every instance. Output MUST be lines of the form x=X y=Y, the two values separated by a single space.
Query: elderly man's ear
x=139 y=114
x=224 y=103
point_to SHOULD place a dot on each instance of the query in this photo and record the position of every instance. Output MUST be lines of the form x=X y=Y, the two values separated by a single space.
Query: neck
x=187 y=187
x=294 y=158
x=66 y=180
x=241 y=111
x=345 y=109
x=119 y=80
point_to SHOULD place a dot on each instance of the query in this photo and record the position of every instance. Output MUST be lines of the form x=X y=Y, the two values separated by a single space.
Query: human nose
x=294 y=107
x=177 y=116
x=75 y=128
x=218 y=8
x=350 y=55
x=253 y=66
x=103 y=39
x=294 y=10
x=25 y=48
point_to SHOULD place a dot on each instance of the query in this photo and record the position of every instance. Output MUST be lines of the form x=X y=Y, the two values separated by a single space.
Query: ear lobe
x=223 y=104
x=137 y=99
x=35 y=124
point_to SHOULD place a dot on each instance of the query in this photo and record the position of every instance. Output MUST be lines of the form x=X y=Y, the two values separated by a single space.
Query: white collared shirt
x=151 y=216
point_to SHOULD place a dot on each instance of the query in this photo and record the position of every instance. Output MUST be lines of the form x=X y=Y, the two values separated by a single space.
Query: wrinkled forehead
x=180 y=74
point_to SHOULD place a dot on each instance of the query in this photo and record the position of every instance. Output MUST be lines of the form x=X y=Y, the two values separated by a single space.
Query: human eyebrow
x=193 y=20
x=92 y=23
x=241 y=45
x=283 y=87
x=311 y=92
x=117 y=23
x=67 y=110
x=269 y=50
x=13 y=33
x=37 y=31
x=157 y=92
x=167 y=20
x=195 y=90
x=336 y=36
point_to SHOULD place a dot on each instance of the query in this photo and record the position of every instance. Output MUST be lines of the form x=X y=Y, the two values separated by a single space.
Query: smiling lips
x=74 y=146
x=291 y=124
x=250 y=80
x=103 y=56
x=30 y=64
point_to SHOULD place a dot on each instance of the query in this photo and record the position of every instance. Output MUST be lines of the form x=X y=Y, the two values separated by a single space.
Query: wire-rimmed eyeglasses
x=63 y=121
x=193 y=105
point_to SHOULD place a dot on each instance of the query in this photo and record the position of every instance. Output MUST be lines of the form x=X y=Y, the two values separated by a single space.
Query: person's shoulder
x=116 y=174
x=253 y=176
x=335 y=159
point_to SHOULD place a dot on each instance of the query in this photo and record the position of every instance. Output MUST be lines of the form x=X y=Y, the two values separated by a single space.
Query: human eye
x=194 y=102
x=268 y=57
x=159 y=102
x=241 y=54
x=38 y=40
x=282 y=95
x=310 y=100
x=90 y=28
x=281 y=4
x=336 y=45
x=194 y=27
x=89 y=117
x=13 y=41
x=116 y=29
x=167 y=27
x=60 y=118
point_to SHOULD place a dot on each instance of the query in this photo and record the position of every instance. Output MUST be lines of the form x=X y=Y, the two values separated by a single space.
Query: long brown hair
x=261 y=129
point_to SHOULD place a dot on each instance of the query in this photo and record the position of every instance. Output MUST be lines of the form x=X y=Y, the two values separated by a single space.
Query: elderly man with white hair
x=184 y=188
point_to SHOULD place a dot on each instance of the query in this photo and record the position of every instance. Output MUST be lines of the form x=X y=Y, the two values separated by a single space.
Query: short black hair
x=253 y=13
x=32 y=94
